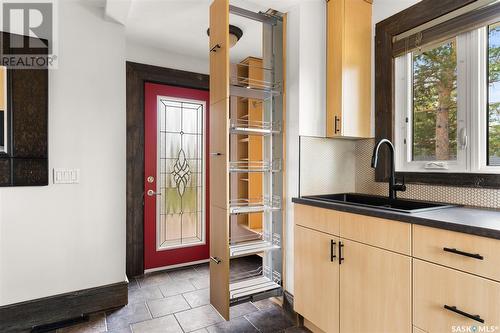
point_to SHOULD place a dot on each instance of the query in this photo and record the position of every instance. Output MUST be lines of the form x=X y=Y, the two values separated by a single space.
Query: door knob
x=152 y=193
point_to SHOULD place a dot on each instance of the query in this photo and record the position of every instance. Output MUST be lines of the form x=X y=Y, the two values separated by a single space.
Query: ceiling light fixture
x=235 y=34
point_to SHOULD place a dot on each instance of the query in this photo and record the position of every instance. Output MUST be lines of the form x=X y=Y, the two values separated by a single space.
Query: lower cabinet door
x=316 y=283
x=219 y=260
x=447 y=300
x=375 y=290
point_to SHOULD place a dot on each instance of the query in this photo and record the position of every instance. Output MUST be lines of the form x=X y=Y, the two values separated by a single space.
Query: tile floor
x=178 y=301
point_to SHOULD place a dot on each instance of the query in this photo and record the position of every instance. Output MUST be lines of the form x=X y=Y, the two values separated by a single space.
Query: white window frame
x=479 y=151
x=471 y=110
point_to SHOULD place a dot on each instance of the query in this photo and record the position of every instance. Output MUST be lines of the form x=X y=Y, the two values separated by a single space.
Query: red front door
x=175 y=183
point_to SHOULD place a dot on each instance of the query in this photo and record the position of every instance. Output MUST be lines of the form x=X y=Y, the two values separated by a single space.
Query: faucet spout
x=393 y=187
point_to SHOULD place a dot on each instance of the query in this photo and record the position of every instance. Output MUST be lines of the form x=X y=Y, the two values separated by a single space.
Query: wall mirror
x=23 y=118
x=437 y=92
x=3 y=110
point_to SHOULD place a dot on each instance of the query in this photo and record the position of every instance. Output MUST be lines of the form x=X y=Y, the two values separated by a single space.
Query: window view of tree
x=494 y=94
x=435 y=103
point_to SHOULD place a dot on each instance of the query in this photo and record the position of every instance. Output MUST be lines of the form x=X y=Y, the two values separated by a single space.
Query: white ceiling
x=179 y=26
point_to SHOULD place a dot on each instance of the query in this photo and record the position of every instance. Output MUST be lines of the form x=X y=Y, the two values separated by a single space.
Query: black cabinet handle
x=462 y=253
x=340 y=253
x=337 y=119
x=465 y=314
x=215 y=48
x=332 y=250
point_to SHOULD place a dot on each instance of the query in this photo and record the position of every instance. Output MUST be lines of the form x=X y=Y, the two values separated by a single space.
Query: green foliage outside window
x=494 y=94
x=435 y=103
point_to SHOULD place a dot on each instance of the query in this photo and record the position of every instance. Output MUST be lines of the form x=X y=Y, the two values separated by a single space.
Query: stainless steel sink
x=379 y=202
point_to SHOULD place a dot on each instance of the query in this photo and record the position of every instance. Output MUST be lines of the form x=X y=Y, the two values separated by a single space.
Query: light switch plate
x=66 y=176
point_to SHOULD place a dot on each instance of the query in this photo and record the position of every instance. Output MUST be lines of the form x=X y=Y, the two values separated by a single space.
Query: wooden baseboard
x=26 y=315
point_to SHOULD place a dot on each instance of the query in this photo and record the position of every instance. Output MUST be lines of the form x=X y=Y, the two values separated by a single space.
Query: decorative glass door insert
x=181 y=173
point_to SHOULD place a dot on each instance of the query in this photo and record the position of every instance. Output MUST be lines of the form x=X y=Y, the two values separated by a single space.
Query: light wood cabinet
x=381 y=284
x=325 y=220
x=417 y=330
x=375 y=290
x=470 y=253
x=219 y=156
x=317 y=278
x=343 y=285
x=349 y=40
x=249 y=147
x=445 y=298
x=387 y=234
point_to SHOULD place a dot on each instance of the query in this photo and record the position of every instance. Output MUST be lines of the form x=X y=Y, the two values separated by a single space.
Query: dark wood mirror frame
x=26 y=161
x=412 y=17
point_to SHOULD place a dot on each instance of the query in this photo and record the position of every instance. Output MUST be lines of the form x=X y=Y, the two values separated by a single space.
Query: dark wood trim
x=466 y=22
x=26 y=315
x=412 y=17
x=137 y=75
x=420 y=13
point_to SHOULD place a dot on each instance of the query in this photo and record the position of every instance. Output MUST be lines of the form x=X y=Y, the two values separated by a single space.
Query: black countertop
x=474 y=221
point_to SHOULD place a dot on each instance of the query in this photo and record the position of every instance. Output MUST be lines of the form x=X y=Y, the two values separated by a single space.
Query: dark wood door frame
x=137 y=75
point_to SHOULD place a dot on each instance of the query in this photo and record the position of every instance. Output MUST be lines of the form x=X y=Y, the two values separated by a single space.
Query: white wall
x=382 y=9
x=62 y=238
x=143 y=54
x=306 y=108
x=312 y=68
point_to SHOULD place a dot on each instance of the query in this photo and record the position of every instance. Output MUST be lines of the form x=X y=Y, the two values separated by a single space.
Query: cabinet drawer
x=453 y=249
x=325 y=220
x=387 y=234
x=435 y=287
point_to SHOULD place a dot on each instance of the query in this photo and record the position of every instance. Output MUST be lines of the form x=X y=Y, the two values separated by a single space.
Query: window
x=181 y=206
x=447 y=97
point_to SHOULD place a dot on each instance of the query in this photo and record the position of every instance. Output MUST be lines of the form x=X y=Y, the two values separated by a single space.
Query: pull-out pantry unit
x=246 y=161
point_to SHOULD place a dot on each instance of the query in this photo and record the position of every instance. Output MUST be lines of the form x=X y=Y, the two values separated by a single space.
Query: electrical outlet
x=66 y=176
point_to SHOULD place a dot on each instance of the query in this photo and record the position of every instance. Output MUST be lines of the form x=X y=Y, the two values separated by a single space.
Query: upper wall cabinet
x=349 y=40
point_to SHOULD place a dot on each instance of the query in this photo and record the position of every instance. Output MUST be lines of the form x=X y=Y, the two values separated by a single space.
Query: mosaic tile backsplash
x=365 y=183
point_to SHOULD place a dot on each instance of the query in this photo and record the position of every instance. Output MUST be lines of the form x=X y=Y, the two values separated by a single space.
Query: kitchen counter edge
x=474 y=221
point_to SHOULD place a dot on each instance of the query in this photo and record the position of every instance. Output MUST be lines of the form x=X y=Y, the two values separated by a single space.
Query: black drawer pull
x=340 y=253
x=462 y=253
x=465 y=314
x=215 y=48
x=332 y=250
